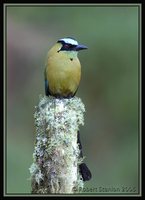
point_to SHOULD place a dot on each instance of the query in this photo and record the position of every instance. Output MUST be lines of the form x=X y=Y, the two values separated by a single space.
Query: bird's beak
x=80 y=47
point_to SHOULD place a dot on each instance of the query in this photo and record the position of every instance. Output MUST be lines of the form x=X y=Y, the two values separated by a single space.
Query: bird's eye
x=66 y=46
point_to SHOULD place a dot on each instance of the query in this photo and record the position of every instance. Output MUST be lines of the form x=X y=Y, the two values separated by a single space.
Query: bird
x=63 y=69
x=62 y=78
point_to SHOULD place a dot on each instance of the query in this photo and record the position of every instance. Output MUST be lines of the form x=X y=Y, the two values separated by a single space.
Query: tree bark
x=56 y=152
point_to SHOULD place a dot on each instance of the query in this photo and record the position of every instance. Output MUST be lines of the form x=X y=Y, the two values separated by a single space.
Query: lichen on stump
x=56 y=152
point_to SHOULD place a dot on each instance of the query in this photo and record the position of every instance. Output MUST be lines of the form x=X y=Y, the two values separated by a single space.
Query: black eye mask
x=67 y=47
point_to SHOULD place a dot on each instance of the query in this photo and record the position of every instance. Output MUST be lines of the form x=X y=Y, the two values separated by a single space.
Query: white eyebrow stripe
x=69 y=41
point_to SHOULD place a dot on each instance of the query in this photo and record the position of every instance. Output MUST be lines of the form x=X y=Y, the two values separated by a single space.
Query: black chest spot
x=71 y=59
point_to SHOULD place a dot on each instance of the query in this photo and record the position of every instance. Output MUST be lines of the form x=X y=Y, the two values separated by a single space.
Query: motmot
x=62 y=78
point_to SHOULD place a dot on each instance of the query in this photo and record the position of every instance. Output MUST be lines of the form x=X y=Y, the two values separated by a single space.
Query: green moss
x=56 y=152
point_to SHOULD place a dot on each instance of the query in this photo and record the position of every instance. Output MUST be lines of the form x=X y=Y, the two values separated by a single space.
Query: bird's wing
x=47 y=92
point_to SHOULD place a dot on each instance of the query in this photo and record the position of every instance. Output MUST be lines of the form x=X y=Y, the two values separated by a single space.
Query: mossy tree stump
x=56 y=152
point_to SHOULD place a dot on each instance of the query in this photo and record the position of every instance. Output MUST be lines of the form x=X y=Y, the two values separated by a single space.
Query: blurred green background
x=109 y=87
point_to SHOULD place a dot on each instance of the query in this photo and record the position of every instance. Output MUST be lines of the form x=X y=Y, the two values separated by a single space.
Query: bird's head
x=67 y=46
x=70 y=44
